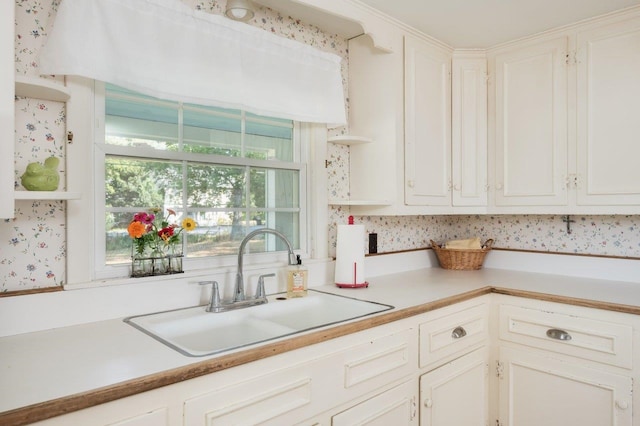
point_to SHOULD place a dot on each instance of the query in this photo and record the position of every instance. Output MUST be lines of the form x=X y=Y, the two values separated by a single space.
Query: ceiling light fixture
x=239 y=10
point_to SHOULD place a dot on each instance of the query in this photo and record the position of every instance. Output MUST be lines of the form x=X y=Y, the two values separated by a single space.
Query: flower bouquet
x=157 y=246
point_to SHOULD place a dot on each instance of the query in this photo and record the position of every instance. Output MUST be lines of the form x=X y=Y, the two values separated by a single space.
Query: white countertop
x=46 y=365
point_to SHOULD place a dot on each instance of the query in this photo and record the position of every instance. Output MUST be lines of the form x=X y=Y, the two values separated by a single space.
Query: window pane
x=269 y=141
x=210 y=131
x=137 y=124
x=142 y=184
x=274 y=188
x=118 y=242
x=210 y=185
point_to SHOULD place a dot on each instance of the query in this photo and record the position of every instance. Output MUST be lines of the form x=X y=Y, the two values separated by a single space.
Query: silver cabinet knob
x=458 y=332
x=557 y=334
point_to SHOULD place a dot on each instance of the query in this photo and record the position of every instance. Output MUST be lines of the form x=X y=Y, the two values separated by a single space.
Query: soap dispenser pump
x=297 y=280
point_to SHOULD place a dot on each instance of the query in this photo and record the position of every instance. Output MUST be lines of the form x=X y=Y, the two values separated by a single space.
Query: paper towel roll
x=350 y=256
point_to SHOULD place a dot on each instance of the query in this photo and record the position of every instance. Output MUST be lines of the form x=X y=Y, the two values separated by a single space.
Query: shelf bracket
x=567 y=219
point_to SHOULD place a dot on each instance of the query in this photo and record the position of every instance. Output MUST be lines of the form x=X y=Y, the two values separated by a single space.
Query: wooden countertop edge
x=60 y=406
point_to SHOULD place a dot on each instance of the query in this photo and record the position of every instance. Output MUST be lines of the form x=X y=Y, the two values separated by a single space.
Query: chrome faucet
x=216 y=304
x=238 y=291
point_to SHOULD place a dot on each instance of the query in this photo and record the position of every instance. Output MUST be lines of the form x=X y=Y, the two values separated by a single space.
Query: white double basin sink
x=196 y=332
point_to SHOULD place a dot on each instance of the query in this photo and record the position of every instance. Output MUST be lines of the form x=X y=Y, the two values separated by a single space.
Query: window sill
x=319 y=271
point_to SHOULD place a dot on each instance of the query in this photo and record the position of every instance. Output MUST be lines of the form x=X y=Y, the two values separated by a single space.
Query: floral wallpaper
x=596 y=235
x=33 y=244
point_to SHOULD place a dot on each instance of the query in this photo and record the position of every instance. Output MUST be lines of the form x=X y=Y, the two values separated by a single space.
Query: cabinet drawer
x=396 y=406
x=285 y=395
x=453 y=334
x=380 y=361
x=587 y=338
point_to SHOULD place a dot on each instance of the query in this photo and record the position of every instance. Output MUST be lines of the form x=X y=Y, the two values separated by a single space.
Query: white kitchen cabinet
x=427 y=123
x=454 y=355
x=445 y=129
x=7 y=108
x=537 y=389
x=457 y=393
x=608 y=101
x=295 y=392
x=404 y=103
x=375 y=111
x=469 y=130
x=451 y=332
x=396 y=406
x=315 y=382
x=563 y=365
x=563 y=134
x=530 y=133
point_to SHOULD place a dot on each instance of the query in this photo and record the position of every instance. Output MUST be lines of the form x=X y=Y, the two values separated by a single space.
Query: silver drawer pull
x=556 y=333
x=458 y=332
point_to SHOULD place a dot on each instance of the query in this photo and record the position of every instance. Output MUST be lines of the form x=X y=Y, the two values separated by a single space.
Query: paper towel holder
x=348 y=277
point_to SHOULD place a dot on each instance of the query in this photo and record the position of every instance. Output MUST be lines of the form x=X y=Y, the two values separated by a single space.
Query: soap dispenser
x=297 y=280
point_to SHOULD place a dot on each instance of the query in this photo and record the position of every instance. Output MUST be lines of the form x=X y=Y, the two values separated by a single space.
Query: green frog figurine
x=42 y=178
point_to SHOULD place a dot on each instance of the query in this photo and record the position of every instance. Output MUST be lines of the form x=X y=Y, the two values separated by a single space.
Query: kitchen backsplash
x=595 y=235
x=33 y=245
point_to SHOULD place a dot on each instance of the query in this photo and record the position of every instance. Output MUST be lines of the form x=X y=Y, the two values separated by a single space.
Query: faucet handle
x=214 y=301
x=260 y=292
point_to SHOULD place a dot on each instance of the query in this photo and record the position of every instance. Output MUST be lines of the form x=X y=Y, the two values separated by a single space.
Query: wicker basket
x=461 y=259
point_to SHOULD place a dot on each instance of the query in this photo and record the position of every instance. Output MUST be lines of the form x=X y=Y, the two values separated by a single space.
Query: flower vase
x=157 y=262
x=175 y=259
x=140 y=265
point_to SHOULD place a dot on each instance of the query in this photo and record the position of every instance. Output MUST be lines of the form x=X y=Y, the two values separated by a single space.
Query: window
x=230 y=170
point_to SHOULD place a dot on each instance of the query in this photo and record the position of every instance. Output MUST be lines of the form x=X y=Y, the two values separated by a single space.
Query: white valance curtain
x=165 y=49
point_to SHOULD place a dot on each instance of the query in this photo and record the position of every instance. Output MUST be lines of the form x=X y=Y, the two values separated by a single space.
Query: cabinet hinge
x=571 y=181
x=499 y=369
x=571 y=58
x=414 y=409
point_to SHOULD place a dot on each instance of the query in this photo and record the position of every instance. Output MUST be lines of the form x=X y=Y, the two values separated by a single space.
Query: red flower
x=166 y=233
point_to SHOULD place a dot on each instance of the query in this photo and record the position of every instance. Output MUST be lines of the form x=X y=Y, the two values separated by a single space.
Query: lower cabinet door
x=457 y=393
x=396 y=407
x=536 y=389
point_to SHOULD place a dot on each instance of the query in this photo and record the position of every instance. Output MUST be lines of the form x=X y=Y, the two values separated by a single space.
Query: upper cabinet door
x=469 y=130
x=531 y=125
x=608 y=120
x=427 y=146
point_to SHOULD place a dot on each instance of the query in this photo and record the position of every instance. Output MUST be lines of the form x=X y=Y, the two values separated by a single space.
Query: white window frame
x=87 y=176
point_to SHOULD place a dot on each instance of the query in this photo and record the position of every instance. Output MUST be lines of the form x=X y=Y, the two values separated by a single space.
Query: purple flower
x=144 y=217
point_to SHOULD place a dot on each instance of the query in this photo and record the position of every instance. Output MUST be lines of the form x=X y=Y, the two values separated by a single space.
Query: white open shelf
x=45 y=195
x=359 y=203
x=40 y=88
x=349 y=140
